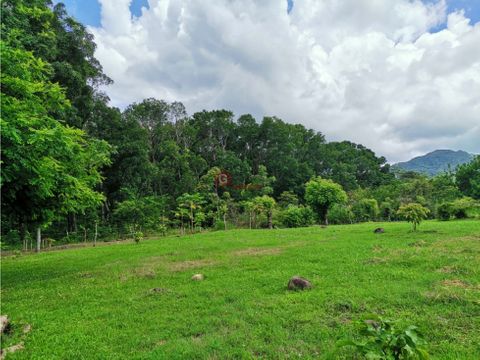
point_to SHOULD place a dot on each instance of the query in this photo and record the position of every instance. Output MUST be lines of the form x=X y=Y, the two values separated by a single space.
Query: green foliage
x=444 y=211
x=265 y=205
x=340 y=214
x=413 y=213
x=353 y=166
x=468 y=178
x=385 y=341
x=140 y=212
x=287 y=198
x=48 y=168
x=321 y=194
x=190 y=206
x=460 y=208
x=365 y=210
x=297 y=216
x=387 y=209
x=137 y=236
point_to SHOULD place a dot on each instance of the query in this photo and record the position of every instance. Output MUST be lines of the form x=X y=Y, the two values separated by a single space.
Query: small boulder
x=198 y=277
x=298 y=283
x=379 y=230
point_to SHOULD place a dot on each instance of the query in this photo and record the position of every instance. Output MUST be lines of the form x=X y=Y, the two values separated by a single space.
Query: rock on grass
x=198 y=277
x=298 y=283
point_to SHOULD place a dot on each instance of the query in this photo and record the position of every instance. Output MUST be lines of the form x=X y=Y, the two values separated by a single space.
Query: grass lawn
x=97 y=303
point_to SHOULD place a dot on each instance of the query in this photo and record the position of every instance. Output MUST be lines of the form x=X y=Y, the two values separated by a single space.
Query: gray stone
x=299 y=283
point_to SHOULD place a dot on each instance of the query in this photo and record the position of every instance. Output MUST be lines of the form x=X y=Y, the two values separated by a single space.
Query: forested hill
x=435 y=162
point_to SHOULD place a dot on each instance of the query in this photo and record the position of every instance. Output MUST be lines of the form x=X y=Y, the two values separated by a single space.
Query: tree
x=413 y=213
x=468 y=178
x=192 y=203
x=261 y=182
x=48 y=169
x=353 y=165
x=265 y=204
x=287 y=198
x=321 y=194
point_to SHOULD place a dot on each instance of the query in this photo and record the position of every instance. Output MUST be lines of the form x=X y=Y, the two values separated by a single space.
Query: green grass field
x=97 y=303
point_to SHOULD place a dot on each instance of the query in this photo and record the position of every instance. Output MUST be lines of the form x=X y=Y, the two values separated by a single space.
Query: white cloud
x=370 y=71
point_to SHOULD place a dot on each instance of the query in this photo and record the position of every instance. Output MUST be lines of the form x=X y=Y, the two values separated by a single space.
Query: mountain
x=434 y=162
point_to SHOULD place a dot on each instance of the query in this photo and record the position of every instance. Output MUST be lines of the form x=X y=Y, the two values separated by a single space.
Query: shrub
x=297 y=216
x=365 y=210
x=387 y=211
x=444 y=211
x=340 y=214
x=460 y=208
x=11 y=238
x=413 y=213
x=137 y=236
x=385 y=341
x=219 y=225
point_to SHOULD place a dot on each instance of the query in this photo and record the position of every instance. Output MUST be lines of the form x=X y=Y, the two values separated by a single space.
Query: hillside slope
x=435 y=162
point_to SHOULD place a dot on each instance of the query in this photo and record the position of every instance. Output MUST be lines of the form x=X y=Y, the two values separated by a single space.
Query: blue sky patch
x=88 y=11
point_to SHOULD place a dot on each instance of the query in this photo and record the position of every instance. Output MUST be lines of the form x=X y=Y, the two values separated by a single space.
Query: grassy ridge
x=96 y=303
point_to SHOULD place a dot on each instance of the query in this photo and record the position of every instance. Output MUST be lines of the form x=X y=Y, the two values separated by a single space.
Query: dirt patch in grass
x=455 y=283
x=190 y=264
x=452 y=270
x=145 y=272
x=418 y=243
x=375 y=261
x=257 y=251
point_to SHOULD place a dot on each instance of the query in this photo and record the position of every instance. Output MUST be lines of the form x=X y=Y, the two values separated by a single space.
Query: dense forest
x=76 y=169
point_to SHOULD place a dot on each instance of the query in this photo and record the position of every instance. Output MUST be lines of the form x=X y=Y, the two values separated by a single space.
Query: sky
x=401 y=77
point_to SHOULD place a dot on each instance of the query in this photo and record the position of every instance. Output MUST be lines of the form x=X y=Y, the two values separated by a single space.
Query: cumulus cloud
x=370 y=71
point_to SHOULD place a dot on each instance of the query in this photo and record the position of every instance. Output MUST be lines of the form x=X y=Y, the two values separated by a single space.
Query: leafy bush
x=444 y=211
x=387 y=210
x=340 y=214
x=219 y=225
x=461 y=208
x=366 y=210
x=12 y=237
x=137 y=236
x=297 y=216
x=385 y=341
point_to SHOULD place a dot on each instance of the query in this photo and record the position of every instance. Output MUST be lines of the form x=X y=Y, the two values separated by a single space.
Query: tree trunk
x=325 y=216
x=192 y=223
x=74 y=223
x=23 y=236
x=96 y=234
x=39 y=239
